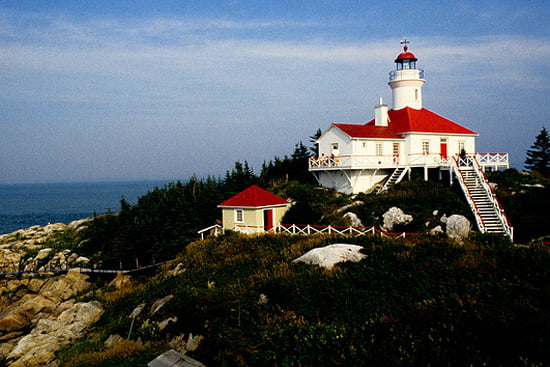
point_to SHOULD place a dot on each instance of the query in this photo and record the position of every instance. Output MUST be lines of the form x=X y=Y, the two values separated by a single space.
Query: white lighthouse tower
x=406 y=81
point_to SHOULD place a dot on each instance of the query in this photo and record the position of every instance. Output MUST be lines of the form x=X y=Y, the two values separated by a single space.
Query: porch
x=492 y=161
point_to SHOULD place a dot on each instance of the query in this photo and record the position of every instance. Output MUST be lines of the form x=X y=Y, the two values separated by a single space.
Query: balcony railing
x=406 y=74
x=432 y=160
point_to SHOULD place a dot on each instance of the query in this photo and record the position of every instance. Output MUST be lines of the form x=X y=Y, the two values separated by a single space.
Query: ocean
x=25 y=205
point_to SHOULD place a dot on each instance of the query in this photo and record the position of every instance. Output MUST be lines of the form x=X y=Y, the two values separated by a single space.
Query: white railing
x=482 y=180
x=378 y=161
x=357 y=161
x=493 y=160
x=309 y=230
x=493 y=198
x=456 y=163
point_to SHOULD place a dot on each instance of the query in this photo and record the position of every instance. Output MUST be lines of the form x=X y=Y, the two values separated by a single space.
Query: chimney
x=381 y=114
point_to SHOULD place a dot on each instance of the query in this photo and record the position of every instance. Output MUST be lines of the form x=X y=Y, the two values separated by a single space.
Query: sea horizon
x=23 y=205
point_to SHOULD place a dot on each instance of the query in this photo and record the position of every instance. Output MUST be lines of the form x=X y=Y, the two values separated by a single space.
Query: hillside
x=242 y=301
x=417 y=302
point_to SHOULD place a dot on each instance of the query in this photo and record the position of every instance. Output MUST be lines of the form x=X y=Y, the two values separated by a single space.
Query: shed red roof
x=406 y=120
x=253 y=197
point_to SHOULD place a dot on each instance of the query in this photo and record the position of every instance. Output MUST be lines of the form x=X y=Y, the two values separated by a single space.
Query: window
x=364 y=144
x=425 y=147
x=379 y=149
x=461 y=145
x=239 y=216
x=416 y=94
x=334 y=146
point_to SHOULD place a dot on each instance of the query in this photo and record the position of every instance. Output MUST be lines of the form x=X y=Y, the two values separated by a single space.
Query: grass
x=409 y=302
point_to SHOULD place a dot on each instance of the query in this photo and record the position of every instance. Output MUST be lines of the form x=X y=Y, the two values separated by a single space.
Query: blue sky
x=130 y=90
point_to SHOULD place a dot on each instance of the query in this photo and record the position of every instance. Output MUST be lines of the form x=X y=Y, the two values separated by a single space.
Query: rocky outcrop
x=39 y=314
x=329 y=256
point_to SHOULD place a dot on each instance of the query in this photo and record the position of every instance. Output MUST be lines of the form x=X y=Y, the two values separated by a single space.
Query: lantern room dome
x=405 y=55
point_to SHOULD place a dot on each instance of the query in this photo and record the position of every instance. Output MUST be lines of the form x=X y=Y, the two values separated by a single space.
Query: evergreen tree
x=538 y=157
x=313 y=140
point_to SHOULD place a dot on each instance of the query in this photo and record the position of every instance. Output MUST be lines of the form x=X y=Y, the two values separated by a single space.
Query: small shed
x=172 y=358
x=253 y=210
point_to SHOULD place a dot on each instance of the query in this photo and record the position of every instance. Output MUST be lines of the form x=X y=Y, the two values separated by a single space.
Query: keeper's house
x=253 y=210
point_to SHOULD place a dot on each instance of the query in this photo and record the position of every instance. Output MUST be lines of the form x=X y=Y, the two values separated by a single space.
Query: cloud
x=187 y=84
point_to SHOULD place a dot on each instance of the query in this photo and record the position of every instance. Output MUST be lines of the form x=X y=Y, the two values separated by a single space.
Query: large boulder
x=458 y=227
x=395 y=216
x=330 y=255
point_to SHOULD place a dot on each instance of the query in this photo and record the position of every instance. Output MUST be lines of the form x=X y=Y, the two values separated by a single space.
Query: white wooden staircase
x=395 y=177
x=488 y=212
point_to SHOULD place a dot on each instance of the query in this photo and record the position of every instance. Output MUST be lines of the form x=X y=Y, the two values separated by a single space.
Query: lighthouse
x=406 y=81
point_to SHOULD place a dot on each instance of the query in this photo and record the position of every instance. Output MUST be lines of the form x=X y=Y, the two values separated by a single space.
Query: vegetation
x=526 y=199
x=538 y=157
x=423 y=300
x=414 y=302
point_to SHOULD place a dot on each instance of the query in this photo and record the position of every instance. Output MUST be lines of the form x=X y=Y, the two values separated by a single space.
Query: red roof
x=253 y=197
x=406 y=54
x=406 y=120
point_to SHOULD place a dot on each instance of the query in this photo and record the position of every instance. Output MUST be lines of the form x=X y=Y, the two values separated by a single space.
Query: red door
x=268 y=219
x=444 y=150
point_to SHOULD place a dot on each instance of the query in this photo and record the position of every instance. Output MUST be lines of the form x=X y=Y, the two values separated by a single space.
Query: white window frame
x=379 y=149
x=239 y=215
x=425 y=147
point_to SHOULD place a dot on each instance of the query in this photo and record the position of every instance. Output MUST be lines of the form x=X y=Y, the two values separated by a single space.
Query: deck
x=492 y=161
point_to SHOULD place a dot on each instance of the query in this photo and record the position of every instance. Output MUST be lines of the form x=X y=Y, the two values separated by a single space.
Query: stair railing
x=493 y=198
x=458 y=173
x=397 y=174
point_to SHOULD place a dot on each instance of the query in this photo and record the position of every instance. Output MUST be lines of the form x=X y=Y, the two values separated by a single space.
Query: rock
x=182 y=345
x=81 y=261
x=137 y=310
x=9 y=260
x=120 y=281
x=43 y=254
x=330 y=255
x=49 y=335
x=35 y=284
x=346 y=207
x=159 y=303
x=395 y=216
x=178 y=270
x=458 y=227
x=20 y=314
x=68 y=286
x=354 y=219
x=436 y=230
x=263 y=299
x=113 y=340
x=193 y=342
x=164 y=323
x=34 y=350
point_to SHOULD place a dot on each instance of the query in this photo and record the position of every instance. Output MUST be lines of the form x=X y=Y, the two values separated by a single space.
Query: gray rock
x=354 y=219
x=395 y=216
x=458 y=227
x=330 y=255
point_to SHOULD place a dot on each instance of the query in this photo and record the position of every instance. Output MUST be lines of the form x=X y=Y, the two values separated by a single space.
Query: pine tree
x=313 y=140
x=538 y=157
